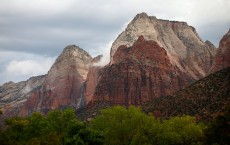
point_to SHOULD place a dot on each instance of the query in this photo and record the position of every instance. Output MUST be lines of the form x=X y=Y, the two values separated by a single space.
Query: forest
x=113 y=126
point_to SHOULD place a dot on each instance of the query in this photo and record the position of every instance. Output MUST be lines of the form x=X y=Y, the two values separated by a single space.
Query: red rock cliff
x=138 y=74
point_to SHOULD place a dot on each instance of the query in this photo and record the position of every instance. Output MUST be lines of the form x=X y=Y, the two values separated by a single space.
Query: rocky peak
x=141 y=16
x=72 y=57
x=184 y=47
x=73 y=53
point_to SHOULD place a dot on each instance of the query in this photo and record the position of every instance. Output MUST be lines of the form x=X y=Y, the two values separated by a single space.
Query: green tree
x=123 y=126
x=131 y=126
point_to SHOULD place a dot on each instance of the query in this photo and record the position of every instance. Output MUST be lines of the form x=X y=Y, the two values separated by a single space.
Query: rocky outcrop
x=222 y=58
x=138 y=74
x=184 y=47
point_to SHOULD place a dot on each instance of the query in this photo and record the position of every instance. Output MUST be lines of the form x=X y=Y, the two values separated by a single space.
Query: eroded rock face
x=184 y=47
x=222 y=58
x=138 y=74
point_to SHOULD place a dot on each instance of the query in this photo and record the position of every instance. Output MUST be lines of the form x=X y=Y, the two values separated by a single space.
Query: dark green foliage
x=58 y=127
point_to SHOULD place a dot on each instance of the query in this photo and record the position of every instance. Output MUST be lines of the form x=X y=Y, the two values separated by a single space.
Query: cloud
x=105 y=51
x=43 y=28
x=23 y=66
x=28 y=67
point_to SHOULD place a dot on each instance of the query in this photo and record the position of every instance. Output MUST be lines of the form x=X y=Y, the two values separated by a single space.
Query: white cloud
x=28 y=67
x=23 y=66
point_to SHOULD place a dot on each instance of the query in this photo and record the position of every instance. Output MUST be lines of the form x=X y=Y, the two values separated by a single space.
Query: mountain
x=61 y=87
x=222 y=58
x=138 y=74
x=184 y=47
x=205 y=99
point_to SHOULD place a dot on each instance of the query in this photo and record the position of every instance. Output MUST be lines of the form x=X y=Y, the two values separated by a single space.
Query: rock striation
x=184 y=47
x=138 y=74
x=222 y=58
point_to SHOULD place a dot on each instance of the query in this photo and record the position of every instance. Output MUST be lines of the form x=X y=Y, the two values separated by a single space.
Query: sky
x=34 y=32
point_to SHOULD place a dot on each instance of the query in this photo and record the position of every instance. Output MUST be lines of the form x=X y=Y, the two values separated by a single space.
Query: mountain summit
x=183 y=45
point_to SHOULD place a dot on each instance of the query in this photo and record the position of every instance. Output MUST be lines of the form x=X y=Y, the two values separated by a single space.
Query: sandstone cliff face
x=138 y=74
x=222 y=58
x=184 y=47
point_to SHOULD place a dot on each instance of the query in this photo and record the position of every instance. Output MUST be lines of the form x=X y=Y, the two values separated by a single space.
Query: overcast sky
x=34 y=32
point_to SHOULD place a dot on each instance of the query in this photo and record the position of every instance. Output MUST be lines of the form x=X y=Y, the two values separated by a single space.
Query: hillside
x=205 y=98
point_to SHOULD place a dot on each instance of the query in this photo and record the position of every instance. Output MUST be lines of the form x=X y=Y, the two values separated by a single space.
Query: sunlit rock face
x=65 y=79
x=222 y=58
x=138 y=74
x=184 y=47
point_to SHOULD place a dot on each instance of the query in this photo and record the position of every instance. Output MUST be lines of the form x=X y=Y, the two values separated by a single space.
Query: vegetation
x=114 y=126
x=58 y=127
x=205 y=98
x=131 y=126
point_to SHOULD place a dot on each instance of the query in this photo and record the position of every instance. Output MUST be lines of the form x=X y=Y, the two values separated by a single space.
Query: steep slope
x=205 y=98
x=184 y=47
x=222 y=58
x=62 y=87
x=138 y=74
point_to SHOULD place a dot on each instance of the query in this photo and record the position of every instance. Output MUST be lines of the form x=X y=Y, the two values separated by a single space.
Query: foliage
x=132 y=126
x=58 y=127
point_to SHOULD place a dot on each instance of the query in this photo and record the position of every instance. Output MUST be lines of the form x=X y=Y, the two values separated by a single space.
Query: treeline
x=114 y=126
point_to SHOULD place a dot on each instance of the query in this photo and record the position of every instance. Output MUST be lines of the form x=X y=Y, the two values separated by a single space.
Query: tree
x=123 y=126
